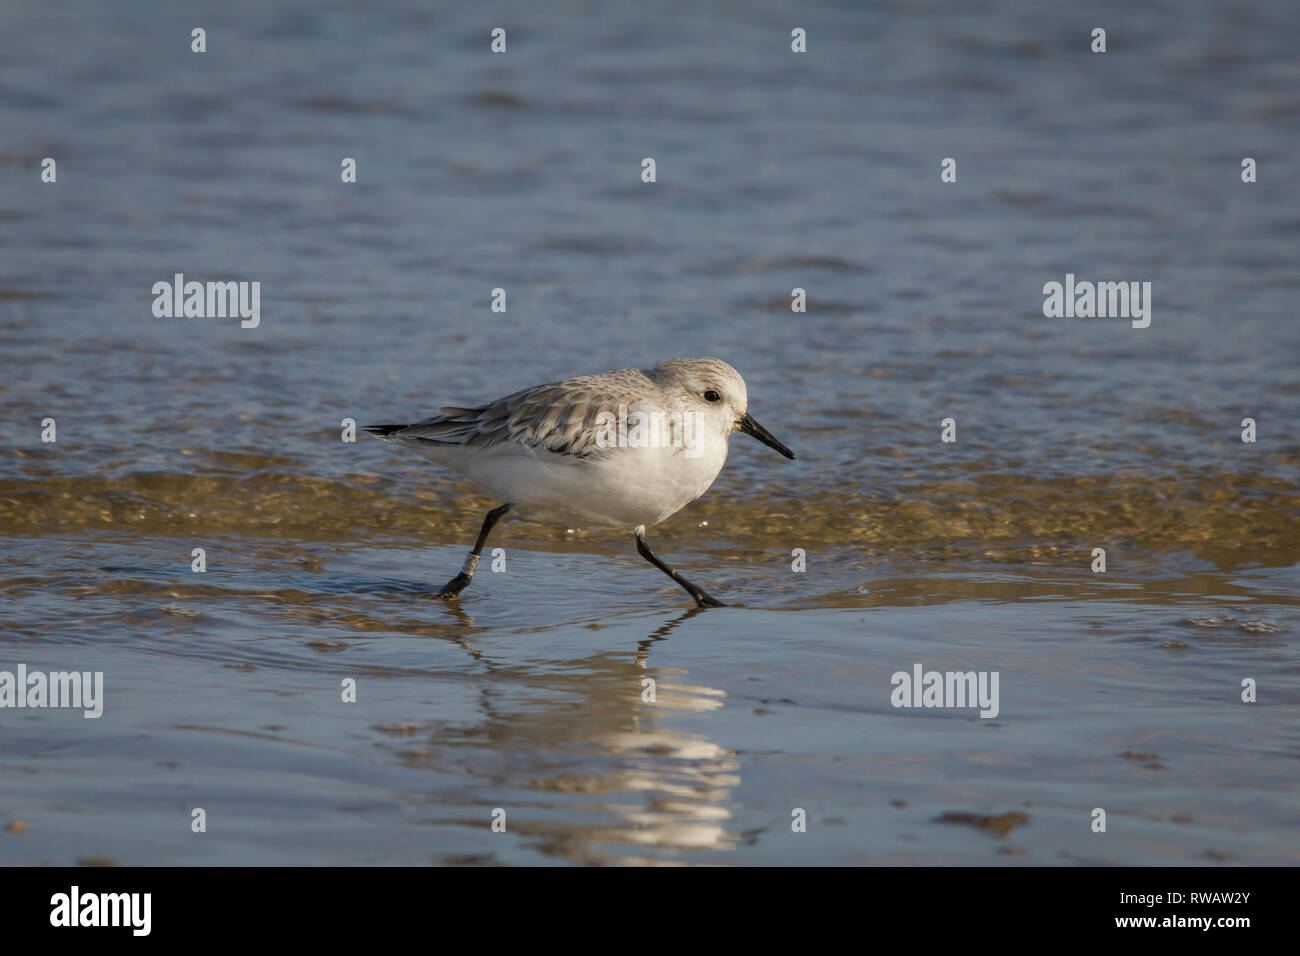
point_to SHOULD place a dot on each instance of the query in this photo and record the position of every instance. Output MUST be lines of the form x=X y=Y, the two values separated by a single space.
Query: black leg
x=702 y=599
x=461 y=581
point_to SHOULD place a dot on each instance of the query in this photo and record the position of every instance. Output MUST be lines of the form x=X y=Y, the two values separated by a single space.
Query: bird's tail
x=383 y=431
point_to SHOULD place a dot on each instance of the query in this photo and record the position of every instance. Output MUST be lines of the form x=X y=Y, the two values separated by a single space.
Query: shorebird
x=623 y=449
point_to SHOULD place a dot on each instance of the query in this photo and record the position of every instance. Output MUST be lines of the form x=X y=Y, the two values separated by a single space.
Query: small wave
x=1227 y=519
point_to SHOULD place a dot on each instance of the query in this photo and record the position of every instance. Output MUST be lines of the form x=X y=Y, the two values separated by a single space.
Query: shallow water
x=1118 y=690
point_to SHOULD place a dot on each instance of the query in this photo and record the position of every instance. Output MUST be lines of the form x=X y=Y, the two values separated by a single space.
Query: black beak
x=751 y=427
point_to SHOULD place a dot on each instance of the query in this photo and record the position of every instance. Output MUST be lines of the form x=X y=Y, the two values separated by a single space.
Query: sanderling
x=622 y=449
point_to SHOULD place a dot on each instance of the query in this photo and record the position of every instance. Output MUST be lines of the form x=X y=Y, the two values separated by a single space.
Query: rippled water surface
x=775 y=170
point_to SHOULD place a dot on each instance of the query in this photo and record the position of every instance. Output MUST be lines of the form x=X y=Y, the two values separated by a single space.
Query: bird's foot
x=453 y=587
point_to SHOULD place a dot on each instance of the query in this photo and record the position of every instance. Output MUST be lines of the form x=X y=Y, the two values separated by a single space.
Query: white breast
x=625 y=488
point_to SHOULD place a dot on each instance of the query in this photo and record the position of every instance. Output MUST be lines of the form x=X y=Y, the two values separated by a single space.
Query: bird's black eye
x=712 y=396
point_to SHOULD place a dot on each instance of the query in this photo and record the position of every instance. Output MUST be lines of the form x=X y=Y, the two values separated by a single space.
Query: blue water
x=775 y=170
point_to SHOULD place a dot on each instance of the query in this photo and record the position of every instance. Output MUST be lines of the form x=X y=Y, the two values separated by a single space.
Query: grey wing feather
x=559 y=417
